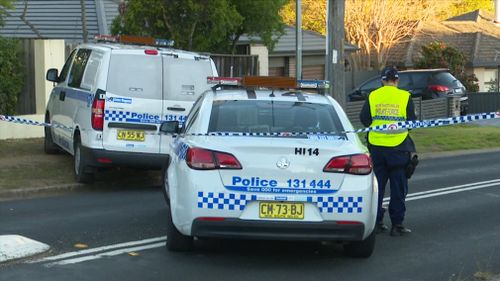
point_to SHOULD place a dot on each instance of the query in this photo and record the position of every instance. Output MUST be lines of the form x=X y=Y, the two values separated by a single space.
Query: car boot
x=399 y=229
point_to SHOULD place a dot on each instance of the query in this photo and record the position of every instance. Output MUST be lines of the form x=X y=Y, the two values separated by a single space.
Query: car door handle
x=62 y=95
x=176 y=108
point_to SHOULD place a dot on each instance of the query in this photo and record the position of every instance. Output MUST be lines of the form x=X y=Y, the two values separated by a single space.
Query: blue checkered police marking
x=339 y=204
x=224 y=201
x=116 y=115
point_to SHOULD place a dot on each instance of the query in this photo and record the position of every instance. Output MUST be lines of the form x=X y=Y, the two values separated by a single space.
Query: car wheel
x=48 y=145
x=83 y=173
x=164 y=186
x=176 y=241
x=361 y=249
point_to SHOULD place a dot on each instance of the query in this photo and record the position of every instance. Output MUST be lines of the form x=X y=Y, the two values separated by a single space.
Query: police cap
x=390 y=73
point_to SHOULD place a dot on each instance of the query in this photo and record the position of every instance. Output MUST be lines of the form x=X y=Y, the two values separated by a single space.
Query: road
x=453 y=209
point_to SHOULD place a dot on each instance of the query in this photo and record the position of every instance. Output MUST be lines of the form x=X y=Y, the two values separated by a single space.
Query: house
x=281 y=60
x=474 y=33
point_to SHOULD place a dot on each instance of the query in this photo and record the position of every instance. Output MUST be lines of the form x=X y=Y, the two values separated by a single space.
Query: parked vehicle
x=425 y=83
x=260 y=163
x=114 y=96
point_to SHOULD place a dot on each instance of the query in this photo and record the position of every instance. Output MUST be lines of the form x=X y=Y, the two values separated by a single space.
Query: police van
x=111 y=96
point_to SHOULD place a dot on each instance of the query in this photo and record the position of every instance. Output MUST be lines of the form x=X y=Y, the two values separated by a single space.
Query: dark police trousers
x=389 y=164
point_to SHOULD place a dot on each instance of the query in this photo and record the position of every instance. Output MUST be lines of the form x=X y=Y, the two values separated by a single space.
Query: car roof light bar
x=234 y=81
x=138 y=40
x=313 y=84
x=272 y=82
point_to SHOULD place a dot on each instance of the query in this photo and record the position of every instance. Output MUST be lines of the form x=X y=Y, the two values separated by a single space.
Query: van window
x=65 y=69
x=185 y=79
x=76 y=73
x=90 y=75
x=137 y=76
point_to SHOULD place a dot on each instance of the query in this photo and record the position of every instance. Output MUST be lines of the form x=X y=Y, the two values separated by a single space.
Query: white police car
x=113 y=97
x=270 y=164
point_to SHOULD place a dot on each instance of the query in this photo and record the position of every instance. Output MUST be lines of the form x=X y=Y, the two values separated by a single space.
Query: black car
x=425 y=83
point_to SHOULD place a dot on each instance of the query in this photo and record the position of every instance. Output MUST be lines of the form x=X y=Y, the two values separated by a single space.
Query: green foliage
x=439 y=55
x=201 y=25
x=11 y=74
x=459 y=7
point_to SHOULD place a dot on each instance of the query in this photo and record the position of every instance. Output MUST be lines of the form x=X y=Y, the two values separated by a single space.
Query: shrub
x=11 y=74
x=440 y=55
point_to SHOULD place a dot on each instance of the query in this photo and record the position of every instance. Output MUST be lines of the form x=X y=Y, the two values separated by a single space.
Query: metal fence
x=483 y=102
x=236 y=65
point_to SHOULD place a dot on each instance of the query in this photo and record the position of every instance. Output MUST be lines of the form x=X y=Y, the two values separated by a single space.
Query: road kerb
x=22 y=192
x=14 y=247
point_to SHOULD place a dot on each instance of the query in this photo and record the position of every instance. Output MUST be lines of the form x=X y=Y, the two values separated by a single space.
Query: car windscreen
x=268 y=116
x=136 y=76
x=185 y=79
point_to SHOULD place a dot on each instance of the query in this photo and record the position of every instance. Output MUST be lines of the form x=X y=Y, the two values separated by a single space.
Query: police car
x=111 y=96
x=263 y=161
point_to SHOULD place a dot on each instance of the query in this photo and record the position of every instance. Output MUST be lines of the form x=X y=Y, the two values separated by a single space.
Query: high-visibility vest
x=388 y=105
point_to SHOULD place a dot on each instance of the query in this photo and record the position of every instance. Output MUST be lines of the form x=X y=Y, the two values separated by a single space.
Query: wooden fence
x=424 y=109
x=236 y=65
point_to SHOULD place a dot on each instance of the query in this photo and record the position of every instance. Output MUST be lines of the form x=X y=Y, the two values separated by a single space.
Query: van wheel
x=176 y=241
x=48 y=144
x=361 y=249
x=83 y=173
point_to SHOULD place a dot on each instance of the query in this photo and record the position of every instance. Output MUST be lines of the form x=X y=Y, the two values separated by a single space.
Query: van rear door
x=133 y=108
x=184 y=80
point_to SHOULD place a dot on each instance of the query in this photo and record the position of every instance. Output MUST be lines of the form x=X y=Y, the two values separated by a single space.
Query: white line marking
x=17 y=246
x=452 y=189
x=99 y=249
x=106 y=254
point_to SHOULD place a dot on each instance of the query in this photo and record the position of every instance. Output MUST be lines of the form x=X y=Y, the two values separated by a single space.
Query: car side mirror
x=52 y=75
x=170 y=127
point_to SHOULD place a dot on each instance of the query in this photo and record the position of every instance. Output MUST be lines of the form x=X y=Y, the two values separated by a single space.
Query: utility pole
x=335 y=68
x=84 y=22
x=298 y=39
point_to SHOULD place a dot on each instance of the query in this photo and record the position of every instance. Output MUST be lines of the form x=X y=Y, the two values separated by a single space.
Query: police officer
x=391 y=149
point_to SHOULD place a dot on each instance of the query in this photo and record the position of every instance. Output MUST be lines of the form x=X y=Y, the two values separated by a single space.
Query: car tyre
x=48 y=145
x=164 y=185
x=176 y=241
x=83 y=173
x=361 y=249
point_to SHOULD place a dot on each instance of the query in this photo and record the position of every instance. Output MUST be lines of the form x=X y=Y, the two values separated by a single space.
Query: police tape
x=403 y=125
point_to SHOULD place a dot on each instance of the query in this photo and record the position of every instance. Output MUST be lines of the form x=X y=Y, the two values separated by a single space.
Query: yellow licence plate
x=130 y=135
x=280 y=210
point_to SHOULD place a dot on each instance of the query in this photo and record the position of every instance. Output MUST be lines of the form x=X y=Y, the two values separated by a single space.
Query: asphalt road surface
x=453 y=209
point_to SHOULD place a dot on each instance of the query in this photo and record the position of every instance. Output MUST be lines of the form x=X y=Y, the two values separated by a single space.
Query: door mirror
x=170 y=127
x=52 y=75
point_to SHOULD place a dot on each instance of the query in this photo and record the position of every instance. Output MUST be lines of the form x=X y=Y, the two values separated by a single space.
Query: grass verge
x=23 y=164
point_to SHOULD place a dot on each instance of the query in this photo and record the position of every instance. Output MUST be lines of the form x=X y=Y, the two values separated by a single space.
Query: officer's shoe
x=399 y=229
x=381 y=227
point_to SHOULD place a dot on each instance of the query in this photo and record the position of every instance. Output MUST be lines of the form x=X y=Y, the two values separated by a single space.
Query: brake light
x=151 y=52
x=358 y=164
x=204 y=159
x=97 y=116
x=439 y=88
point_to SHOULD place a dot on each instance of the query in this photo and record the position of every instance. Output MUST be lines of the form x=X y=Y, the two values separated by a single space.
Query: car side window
x=404 y=81
x=78 y=68
x=371 y=85
x=67 y=64
x=193 y=114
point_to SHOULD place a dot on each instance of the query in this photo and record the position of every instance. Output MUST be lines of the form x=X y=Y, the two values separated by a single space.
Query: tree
x=11 y=74
x=440 y=55
x=459 y=7
x=201 y=25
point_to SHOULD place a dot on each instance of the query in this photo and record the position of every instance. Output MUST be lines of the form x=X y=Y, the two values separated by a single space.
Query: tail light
x=204 y=159
x=439 y=88
x=97 y=116
x=358 y=164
